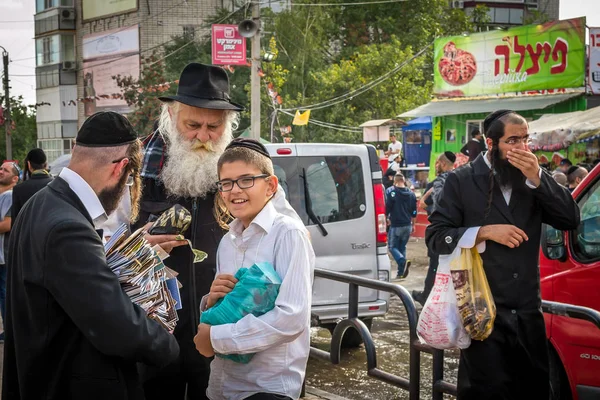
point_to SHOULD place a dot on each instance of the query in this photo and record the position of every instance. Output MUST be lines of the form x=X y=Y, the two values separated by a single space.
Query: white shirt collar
x=86 y=194
x=487 y=160
x=264 y=220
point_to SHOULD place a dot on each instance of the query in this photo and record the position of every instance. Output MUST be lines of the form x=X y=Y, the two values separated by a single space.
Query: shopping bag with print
x=440 y=325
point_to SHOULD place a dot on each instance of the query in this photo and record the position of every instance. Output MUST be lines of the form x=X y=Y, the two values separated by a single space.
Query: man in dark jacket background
x=35 y=177
x=72 y=332
x=401 y=209
x=498 y=204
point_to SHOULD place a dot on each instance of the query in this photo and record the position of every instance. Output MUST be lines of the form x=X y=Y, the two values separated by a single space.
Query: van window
x=587 y=236
x=336 y=187
x=335 y=184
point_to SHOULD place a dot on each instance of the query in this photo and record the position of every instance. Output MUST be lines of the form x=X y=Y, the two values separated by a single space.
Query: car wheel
x=559 y=383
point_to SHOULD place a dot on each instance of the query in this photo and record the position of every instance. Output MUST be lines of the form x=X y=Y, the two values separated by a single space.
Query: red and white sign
x=594 y=68
x=228 y=46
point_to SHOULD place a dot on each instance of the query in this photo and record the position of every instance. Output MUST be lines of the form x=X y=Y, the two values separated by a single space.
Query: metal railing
x=412 y=384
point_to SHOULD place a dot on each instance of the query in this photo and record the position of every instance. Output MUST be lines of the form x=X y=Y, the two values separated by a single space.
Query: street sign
x=228 y=46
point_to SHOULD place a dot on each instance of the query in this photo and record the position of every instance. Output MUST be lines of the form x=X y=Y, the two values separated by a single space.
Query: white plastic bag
x=440 y=325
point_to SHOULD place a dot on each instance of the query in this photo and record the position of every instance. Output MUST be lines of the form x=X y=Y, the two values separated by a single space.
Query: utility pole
x=7 y=119
x=254 y=78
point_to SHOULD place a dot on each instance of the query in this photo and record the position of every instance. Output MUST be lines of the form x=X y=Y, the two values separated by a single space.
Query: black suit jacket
x=23 y=192
x=513 y=274
x=71 y=332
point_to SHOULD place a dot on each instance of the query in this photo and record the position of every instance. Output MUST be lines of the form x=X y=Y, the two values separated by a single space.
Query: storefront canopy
x=440 y=108
x=557 y=131
x=418 y=124
x=378 y=130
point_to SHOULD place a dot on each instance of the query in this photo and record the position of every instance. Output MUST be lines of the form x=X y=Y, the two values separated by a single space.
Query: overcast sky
x=17 y=37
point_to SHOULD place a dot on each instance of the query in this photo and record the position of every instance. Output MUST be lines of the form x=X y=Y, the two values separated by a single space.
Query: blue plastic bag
x=254 y=293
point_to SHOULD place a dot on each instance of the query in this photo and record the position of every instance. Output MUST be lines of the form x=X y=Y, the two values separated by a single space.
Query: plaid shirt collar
x=154 y=155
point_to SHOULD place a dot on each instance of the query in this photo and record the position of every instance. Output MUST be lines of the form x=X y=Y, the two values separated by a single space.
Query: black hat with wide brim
x=204 y=86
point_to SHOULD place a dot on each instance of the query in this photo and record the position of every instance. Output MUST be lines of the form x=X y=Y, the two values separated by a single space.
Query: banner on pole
x=594 y=78
x=228 y=46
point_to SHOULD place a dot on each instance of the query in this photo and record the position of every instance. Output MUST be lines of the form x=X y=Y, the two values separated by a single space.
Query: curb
x=321 y=394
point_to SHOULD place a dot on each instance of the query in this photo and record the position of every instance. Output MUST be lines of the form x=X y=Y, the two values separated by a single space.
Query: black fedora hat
x=204 y=86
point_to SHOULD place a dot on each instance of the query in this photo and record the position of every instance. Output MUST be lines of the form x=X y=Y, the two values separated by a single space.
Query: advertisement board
x=105 y=55
x=594 y=77
x=531 y=57
x=228 y=46
x=93 y=9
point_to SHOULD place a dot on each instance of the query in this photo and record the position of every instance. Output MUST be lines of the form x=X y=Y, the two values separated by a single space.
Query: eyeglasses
x=245 y=182
x=119 y=160
x=515 y=140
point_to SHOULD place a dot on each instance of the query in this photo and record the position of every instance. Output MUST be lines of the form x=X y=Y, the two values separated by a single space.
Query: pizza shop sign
x=534 y=57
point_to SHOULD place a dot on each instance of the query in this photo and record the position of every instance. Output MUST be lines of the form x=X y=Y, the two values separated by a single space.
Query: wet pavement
x=349 y=379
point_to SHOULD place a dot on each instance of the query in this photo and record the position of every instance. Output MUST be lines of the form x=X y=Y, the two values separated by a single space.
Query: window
x=55 y=148
x=474 y=125
x=586 y=244
x=54 y=49
x=335 y=186
x=41 y=5
x=189 y=32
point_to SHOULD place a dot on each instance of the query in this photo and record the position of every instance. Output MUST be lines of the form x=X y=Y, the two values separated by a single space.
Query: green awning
x=246 y=134
x=440 y=108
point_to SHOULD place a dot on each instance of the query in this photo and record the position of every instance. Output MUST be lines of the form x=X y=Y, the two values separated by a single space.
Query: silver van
x=337 y=190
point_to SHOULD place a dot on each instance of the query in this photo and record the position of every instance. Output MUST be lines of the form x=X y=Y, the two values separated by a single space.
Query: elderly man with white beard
x=180 y=167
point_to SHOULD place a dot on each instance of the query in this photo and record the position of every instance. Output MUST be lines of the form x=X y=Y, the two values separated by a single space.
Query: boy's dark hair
x=248 y=156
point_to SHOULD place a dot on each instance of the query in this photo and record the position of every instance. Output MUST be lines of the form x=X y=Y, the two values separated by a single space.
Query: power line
x=10 y=22
x=324 y=124
x=357 y=92
x=118 y=30
x=362 y=3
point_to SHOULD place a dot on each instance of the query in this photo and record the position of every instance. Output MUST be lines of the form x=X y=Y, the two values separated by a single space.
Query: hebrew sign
x=525 y=58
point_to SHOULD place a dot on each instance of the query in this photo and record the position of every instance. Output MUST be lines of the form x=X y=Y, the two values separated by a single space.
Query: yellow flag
x=301 y=118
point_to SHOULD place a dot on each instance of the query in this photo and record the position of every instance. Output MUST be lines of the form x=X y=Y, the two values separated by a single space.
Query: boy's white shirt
x=281 y=337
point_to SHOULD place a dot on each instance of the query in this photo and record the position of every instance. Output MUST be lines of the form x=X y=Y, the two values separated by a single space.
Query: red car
x=570 y=274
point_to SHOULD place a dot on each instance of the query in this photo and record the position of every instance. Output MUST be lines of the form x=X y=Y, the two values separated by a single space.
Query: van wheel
x=559 y=383
x=351 y=338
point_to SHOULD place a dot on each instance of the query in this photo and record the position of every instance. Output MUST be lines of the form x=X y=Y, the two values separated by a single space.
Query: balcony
x=55 y=19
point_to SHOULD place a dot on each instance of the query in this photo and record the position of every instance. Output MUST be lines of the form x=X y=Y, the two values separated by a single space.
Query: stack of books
x=143 y=275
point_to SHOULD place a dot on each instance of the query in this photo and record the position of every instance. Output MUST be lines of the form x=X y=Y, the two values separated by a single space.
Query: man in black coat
x=498 y=203
x=180 y=167
x=35 y=177
x=72 y=332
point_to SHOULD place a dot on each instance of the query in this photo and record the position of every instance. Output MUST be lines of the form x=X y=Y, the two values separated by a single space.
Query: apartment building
x=508 y=13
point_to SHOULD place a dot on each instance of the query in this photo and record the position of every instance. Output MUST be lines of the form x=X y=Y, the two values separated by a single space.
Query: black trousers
x=267 y=396
x=434 y=261
x=511 y=364
x=189 y=373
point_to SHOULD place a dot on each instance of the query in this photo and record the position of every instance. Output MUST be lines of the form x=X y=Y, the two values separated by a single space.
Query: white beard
x=191 y=167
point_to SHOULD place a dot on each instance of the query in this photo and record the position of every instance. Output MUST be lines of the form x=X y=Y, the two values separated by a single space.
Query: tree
x=23 y=130
x=142 y=94
x=404 y=88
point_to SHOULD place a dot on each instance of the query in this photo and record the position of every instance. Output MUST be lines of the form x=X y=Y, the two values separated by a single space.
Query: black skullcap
x=248 y=143
x=450 y=156
x=572 y=169
x=490 y=119
x=36 y=156
x=565 y=161
x=106 y=129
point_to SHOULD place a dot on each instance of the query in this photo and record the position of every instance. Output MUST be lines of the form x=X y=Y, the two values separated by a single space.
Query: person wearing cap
x=35 y=177
x=9 y=177
x=180 y=167
x=259 y=234
x=498 y=204
x=71 y=331
x=575 y=174
x=564 y=165
x=443 y=166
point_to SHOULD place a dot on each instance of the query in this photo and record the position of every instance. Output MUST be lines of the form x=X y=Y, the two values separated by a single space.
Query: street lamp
x=7 y=119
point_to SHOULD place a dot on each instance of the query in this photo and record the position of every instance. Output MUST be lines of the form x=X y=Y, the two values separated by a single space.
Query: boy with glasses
x=259 y=233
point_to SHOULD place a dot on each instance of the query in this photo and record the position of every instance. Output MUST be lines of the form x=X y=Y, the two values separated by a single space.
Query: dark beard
x=110 y=197
x=506 y=173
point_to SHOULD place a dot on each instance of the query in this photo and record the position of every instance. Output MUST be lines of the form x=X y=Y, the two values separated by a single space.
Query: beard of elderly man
x=196 y=138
